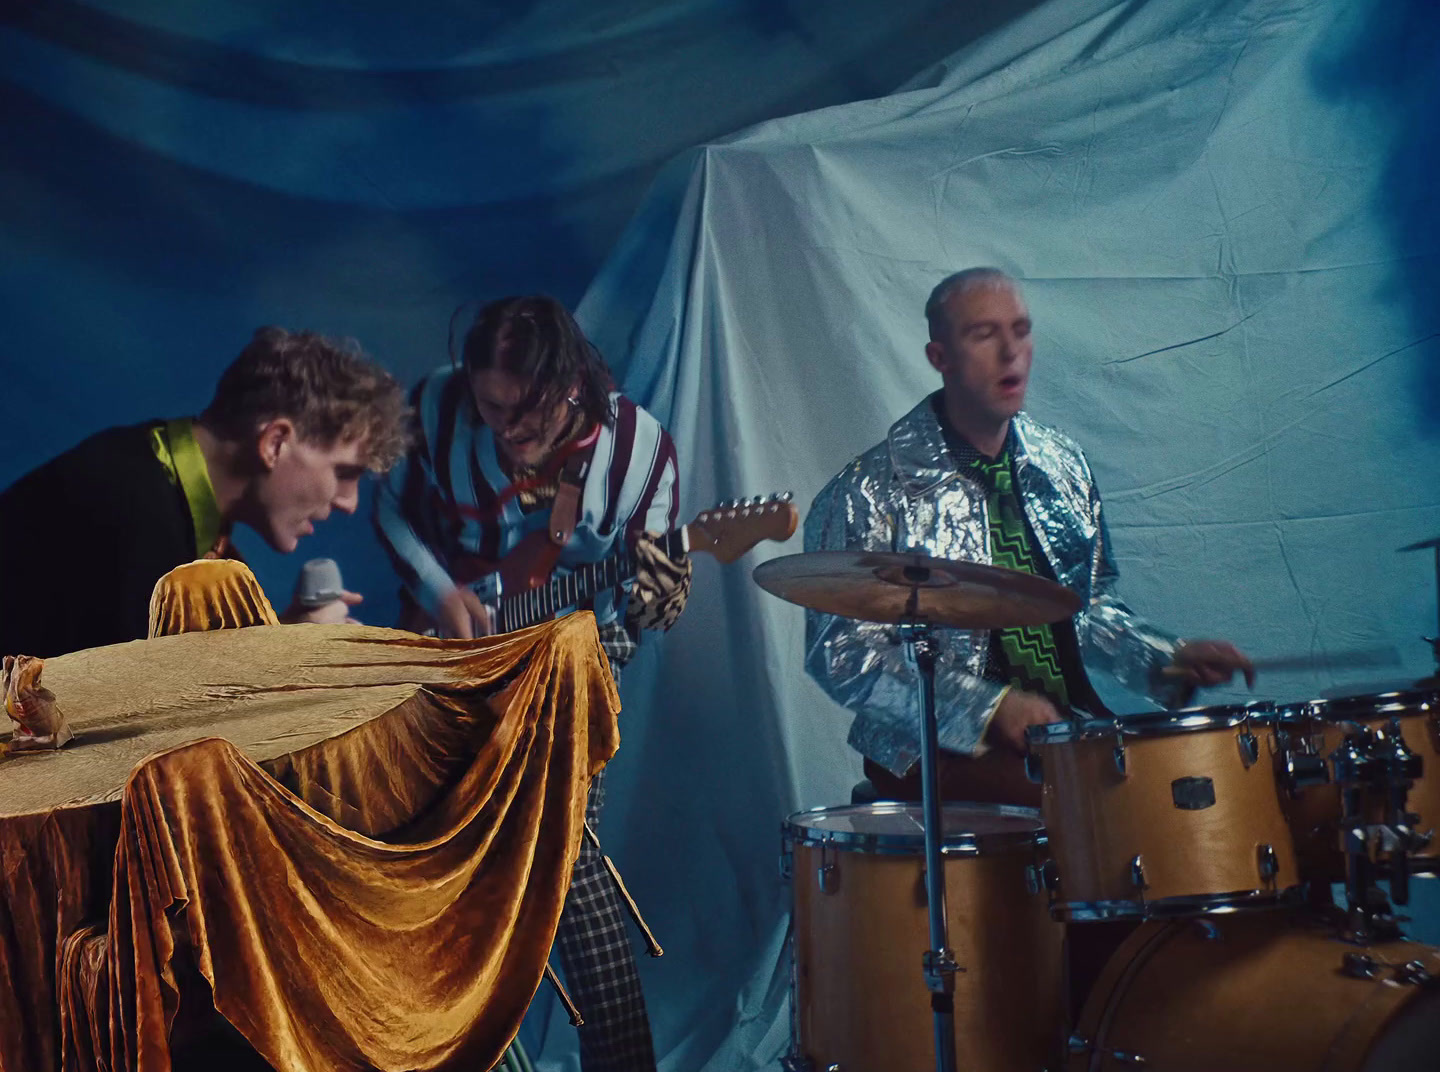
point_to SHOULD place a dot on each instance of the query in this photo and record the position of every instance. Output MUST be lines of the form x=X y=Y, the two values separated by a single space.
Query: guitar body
x=529 y=564
x=527 y=585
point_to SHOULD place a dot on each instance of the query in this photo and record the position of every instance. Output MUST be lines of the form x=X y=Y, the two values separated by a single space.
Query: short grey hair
x=962 y=283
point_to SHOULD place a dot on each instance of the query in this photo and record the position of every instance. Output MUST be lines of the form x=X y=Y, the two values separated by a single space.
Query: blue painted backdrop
x=1223 y=211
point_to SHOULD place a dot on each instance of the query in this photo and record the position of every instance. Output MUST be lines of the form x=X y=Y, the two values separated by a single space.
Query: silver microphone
x=319 y=583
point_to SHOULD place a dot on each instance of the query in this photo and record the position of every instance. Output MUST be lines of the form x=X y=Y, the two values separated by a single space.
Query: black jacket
x=83 y=539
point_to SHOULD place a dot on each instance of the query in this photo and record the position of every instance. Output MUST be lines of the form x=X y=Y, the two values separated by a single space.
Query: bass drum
x=860 y=929
x=1261 y=992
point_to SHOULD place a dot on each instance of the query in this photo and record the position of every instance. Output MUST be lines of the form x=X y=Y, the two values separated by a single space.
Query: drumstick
x=564 y=995
x=1360 y=658
x=652 y=947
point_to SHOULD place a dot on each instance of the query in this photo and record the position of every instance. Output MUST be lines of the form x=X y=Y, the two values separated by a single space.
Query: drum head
x=969 y=829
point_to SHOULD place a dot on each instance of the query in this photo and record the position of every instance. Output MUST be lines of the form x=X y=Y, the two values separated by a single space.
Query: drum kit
x=1198 y=845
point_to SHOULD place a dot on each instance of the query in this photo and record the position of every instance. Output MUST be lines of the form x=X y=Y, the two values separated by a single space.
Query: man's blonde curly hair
x=328 y=387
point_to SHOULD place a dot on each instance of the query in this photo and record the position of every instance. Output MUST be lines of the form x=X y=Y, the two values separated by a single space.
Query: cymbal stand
x=1434 y=641
x=939 y=962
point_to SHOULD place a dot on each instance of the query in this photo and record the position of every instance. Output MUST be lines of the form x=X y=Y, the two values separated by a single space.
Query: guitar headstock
x=731 y=528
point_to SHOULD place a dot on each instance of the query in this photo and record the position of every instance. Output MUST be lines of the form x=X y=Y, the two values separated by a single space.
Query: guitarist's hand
x=462 y=616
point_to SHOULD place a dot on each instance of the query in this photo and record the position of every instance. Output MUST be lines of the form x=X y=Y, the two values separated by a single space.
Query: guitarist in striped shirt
x=527 y=440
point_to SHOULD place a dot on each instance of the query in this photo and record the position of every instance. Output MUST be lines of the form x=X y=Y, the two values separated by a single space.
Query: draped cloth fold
x=209 y=593
x=367 y=871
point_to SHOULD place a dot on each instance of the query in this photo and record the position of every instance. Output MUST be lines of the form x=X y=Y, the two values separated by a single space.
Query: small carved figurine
x=40 y=722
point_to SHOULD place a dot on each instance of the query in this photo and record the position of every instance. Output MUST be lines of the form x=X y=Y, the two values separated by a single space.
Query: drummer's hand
x=1017 y=712
x=461 y=615
x=1211 y=662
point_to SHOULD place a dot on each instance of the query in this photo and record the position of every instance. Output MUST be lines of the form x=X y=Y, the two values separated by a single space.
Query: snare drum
x=1314 y=729
x=1260 y=991
x=1174 y=813
x=860 y=930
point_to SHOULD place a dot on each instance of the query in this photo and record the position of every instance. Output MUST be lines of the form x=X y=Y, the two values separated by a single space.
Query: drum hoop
x=966 y=843
x=1174 y=907
x=1156 y=723
x=1401 y=704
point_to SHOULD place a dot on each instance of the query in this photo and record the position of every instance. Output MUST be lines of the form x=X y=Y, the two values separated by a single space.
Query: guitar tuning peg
x=757 y=501
x=786 y=496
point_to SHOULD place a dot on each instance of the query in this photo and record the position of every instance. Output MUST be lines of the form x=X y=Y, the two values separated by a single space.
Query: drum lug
x=1359 y=966
x=1413 y=973
x=825 y=873
x=1042 y=877
x=1033 y=770
x=1137 y=873
x=1268 y=861
x=1303 y=771
x=1121 y=762
x=1249 y=748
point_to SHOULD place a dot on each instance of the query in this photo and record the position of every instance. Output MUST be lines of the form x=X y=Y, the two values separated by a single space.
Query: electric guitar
x=525 y=588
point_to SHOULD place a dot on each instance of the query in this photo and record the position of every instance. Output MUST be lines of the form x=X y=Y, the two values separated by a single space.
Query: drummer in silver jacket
x=911 y=493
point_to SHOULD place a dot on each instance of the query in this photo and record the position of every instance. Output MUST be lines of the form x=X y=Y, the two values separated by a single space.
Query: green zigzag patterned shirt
x=1032 y=661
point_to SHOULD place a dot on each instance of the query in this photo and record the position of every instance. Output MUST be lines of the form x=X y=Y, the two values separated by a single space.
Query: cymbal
x=877 y=586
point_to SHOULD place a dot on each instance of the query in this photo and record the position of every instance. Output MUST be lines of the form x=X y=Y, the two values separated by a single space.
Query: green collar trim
x=177 y=450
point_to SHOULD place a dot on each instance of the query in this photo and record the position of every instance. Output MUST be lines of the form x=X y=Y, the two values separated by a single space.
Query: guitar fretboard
x=544 y=601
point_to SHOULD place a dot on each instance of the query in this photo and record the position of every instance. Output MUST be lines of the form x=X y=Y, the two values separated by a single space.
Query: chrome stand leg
x=939 y=963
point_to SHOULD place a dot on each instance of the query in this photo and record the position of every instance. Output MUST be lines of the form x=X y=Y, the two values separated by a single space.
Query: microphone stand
x=938 y=962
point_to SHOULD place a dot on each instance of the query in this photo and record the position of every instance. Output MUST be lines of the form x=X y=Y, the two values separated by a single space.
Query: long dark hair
x=536 y=338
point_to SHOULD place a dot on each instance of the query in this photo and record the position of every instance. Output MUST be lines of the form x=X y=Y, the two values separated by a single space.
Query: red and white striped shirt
x=443 y=501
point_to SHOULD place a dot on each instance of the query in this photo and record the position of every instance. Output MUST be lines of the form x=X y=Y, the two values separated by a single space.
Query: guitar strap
x=565 y=510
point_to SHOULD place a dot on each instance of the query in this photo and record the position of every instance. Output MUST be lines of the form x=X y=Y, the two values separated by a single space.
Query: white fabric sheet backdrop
x=1210 y=206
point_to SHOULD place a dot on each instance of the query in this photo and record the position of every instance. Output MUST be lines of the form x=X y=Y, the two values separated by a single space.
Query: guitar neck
x=544 y=601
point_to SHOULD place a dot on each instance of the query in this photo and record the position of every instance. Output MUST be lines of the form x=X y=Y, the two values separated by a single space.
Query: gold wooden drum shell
x=1258 y=992
x=860 y=997
x=1314 y=812
x=1099 y=820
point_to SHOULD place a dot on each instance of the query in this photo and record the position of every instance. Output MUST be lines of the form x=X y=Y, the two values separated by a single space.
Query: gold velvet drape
x=360 y=838
x=210 y=593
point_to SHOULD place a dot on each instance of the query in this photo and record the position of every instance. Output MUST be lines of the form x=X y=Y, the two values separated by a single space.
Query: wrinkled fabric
x=1223 y=216
x=909 y=494
x=382 y=893
x=208 y=594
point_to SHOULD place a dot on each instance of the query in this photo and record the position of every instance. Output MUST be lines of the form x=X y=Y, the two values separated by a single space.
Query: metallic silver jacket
x=908 y=494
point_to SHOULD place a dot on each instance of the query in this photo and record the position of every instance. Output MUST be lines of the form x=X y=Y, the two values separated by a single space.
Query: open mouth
x=1012 y=383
